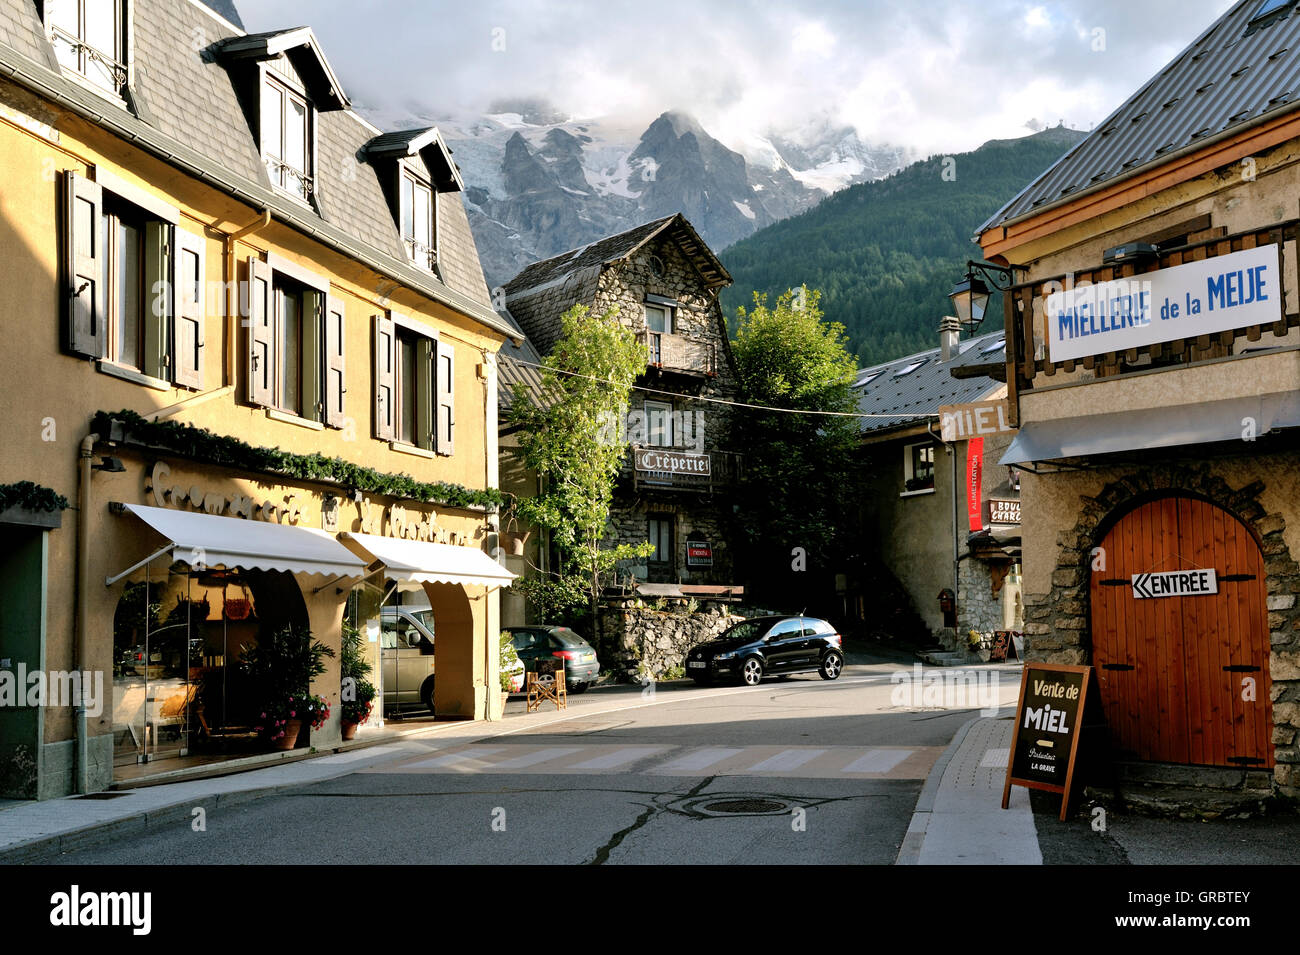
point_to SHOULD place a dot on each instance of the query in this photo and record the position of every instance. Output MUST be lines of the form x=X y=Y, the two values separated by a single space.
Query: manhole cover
x=745 y=807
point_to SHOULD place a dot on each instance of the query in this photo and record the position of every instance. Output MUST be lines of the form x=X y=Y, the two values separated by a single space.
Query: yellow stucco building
x=251 y=347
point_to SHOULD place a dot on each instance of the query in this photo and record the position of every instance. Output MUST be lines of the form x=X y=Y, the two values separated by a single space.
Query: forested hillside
x=885 y=254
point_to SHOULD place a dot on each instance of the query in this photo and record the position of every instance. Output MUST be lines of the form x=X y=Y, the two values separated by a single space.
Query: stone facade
x=644 y=640
x=1058 y=622
x=979 y=607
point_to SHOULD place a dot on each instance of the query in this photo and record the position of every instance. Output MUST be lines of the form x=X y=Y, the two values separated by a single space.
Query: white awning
x=427 y=563
x=214 y=541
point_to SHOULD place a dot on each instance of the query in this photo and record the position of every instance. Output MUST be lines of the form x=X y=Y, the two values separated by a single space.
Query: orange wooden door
x=1184 y=679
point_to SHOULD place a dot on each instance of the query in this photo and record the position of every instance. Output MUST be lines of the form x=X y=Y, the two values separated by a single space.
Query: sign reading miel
x=978 y=420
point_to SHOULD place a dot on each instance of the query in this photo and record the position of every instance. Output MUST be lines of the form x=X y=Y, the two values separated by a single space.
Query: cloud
x=941 y=76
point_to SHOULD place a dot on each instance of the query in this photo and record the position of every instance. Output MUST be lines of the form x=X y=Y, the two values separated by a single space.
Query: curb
x=909 y=853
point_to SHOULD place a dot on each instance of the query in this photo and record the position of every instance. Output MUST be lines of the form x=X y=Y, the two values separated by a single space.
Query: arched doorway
x=1183 y=678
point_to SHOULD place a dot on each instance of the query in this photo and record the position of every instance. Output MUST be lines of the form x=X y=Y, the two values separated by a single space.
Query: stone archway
x=465 y=669
x=1057 y=625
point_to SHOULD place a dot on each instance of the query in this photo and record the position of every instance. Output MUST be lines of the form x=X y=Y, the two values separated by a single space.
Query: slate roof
x=577 y=271
x=917 y=396
x=190 y=115
x=1234 y=75
x=516 y=364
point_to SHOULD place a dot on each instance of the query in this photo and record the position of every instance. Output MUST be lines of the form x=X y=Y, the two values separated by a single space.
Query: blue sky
x=939 y=76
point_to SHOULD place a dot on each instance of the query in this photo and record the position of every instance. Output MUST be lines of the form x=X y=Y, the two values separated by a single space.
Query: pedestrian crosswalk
x=810 y=762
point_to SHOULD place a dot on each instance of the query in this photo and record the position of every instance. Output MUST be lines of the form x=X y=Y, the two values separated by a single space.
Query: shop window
x=295 y=343
x=414 y=394
x=419 y=215
x=133 y=283
x=89 y=40
x=918 y=467
x=287 y=137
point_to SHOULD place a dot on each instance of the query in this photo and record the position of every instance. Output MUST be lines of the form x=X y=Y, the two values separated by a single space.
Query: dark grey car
x=581 y=668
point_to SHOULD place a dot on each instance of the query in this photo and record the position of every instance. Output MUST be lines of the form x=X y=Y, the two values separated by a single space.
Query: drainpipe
x=232 y=305
x=81 y=644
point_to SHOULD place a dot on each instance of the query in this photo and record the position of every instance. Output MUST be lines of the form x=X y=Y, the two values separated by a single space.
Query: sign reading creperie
x=978 y=420
x=673 y=462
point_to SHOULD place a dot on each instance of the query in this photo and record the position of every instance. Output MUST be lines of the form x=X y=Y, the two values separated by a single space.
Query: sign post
x=1049 y=720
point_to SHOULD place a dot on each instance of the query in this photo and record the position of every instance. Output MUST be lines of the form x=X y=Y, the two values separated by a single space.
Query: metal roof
x=906 y=399
x=1234 y=75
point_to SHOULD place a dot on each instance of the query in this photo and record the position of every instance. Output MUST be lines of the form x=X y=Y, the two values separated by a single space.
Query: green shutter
x=83 y=267
x=425 y=415
x=156 y=300
x=313 y=355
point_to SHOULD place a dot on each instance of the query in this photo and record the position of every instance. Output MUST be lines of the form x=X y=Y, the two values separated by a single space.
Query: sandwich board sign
x=1049 y=721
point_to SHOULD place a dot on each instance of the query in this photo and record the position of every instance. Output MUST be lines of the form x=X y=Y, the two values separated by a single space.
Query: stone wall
x=655 y=637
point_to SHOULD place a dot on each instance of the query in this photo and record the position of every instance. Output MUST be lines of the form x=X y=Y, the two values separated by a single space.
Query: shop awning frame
x=420 y=562
x=247 y=544
x=1202 y=422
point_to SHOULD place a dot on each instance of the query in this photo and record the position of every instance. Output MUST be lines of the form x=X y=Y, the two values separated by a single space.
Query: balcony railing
x=669 y=352
x=1025 y=307
x=652 y=467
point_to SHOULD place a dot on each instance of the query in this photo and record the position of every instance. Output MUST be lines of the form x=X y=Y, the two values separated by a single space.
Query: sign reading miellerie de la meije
x=1198 y=298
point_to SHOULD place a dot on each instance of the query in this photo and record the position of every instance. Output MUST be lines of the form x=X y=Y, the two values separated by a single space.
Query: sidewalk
x=959 y=819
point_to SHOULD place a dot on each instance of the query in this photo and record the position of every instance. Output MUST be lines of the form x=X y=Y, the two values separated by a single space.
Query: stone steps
x=1187 y=792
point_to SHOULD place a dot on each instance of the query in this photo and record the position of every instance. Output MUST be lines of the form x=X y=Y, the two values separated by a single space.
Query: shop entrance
x=1184 y=677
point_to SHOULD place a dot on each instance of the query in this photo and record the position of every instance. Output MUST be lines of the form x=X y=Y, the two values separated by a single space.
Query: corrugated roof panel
x=1224 y=78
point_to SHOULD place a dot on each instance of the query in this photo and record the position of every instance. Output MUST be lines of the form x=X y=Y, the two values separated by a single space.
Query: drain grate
x=745 y=807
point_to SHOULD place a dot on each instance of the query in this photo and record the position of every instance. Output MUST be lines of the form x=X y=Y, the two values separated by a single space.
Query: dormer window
x=287 y=137
x=89 y=39
x=419 y=215
x=414 y=165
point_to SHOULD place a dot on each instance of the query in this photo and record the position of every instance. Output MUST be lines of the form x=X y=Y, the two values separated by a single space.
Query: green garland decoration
x=198 y=443
x=32 y=496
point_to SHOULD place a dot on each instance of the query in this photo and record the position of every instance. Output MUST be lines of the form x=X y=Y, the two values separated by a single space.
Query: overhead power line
x=724 y=401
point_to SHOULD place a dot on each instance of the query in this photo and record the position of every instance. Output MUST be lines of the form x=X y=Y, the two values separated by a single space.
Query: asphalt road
x=798 y=770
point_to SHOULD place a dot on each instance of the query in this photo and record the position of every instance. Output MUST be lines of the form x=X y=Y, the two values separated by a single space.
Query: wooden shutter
x=385 y=378
x=155 y=361
x=445 y=379
x=313 y=355
x=335 y=382
x=187 y=310
x=83 y=290
x=261 y=334
x=426 y=418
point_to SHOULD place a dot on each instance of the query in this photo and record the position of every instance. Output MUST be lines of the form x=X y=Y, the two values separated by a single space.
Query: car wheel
x=577 y=687
x=426 y=694
x=832 y=665
x=751 y=671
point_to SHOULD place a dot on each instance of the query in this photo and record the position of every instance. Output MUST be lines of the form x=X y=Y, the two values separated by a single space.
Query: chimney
x=949 y=332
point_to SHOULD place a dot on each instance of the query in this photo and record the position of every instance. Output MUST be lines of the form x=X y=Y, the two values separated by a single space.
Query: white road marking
x=620 y=757
x=362 y=753
x=877 y=761
x=786 y=761
x=533 y=758
x=467 y=756
x=698 y=760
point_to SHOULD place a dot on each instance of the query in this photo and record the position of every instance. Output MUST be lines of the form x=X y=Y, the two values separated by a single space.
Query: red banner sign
x=974 y=476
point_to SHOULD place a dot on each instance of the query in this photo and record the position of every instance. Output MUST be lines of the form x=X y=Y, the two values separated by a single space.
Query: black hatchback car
x=759 y=646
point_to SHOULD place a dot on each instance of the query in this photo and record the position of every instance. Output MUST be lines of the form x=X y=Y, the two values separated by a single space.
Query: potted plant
x=279 y=669
x=511 y=670
x=356 y=692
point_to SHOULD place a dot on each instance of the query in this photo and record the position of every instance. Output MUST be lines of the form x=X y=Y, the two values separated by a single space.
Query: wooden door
x=1184 y=679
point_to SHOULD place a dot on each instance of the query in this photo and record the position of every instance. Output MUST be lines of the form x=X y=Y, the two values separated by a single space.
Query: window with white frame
x=419 y=214
x=918 y=467
x=659 y=424
x=89 y=39
x=287 y=137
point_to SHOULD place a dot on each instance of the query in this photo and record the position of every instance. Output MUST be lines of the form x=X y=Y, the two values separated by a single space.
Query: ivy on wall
x=31 y=496
x=190 y=441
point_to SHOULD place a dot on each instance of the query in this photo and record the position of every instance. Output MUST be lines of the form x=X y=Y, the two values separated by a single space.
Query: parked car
x=168 y=648
x=407 y=651
x=580 y=664
x=759 y=646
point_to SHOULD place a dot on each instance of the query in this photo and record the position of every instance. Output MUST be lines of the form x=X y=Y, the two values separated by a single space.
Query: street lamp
x=970 y=297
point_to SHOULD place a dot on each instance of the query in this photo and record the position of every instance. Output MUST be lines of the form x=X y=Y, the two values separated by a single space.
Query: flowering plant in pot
x=279 y=669
x=356 y=711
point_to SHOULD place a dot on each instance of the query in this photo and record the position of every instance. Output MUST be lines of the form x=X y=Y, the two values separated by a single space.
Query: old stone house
x=672 y=490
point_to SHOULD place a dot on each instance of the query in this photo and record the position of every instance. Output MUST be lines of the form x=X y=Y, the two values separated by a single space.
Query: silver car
x=406 y=649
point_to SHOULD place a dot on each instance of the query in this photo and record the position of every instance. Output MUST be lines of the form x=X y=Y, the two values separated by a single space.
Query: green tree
x=572 y=439
x=800 y=477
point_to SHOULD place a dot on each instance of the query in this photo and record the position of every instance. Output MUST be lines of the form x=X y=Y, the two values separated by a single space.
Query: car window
x=564 y=637
x=787 y=628
x=745 y=630
x=388 y=631
x=523 y=639
x=425 y=617
x=818 y=627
